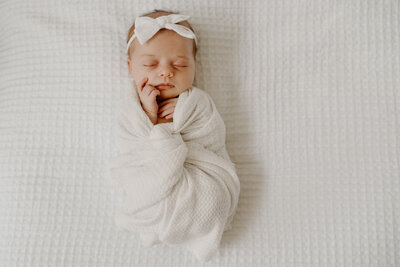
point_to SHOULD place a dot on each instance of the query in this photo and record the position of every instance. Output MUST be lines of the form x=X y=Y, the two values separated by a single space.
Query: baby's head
x=166 y=58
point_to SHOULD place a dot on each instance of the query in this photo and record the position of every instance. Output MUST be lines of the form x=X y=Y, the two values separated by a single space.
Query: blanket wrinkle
x=178 y=183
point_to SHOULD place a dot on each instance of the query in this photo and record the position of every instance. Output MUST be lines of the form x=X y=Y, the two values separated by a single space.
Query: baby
x=162 y=67
x=177 y=180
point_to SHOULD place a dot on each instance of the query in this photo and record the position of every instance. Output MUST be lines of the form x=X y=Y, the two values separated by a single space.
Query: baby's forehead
x=161 y=55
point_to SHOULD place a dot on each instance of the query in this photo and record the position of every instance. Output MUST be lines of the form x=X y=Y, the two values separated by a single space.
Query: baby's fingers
x=143 y=83
x=162 y=108
x=155 y=93
x=167 y=112
x=169 y=100
x=148 y=89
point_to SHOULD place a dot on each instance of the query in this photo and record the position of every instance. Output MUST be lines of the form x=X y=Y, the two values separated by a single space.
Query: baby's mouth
x=163 y=86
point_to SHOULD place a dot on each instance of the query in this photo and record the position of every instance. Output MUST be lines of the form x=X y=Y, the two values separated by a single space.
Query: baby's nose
x=166 y=72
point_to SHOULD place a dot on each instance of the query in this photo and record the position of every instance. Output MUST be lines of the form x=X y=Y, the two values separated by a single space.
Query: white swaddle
x=178 y=183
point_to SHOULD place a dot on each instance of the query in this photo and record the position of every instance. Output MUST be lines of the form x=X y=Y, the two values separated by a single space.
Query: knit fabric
x=178 y=183
x=309 y=95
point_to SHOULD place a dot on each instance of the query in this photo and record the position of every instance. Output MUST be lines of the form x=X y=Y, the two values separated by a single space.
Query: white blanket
x=309 y=93
x=178 y=182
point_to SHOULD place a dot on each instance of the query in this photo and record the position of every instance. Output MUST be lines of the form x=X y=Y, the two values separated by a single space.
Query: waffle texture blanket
x=309 y=92
x=178 y=182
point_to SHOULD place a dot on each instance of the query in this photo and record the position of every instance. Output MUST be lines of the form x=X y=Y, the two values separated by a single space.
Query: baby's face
x=167 y=58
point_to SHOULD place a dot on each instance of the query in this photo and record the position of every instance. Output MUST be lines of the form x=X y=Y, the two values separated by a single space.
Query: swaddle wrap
x=178 y=183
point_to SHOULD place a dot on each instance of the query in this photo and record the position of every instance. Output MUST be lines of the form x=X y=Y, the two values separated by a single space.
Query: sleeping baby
x=178 y=184
x=163 y=67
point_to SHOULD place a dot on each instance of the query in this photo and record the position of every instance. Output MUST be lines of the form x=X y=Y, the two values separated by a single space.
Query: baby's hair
x=155 y=14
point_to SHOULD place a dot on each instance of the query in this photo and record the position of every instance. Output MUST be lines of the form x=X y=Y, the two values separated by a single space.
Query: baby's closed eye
x=153 y=64
x=150 y=64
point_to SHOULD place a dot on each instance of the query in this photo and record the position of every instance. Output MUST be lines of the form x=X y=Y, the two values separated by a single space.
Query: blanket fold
x=178 y=183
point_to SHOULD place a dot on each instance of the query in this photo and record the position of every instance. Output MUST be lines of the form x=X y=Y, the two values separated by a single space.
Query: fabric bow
x=146 y=27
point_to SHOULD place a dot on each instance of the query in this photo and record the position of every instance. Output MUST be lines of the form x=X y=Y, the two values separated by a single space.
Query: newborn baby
x=175 y=176
x=163 y=67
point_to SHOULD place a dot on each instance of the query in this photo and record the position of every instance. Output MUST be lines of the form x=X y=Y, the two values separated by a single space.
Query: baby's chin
x=169 y=93
x=166 y=95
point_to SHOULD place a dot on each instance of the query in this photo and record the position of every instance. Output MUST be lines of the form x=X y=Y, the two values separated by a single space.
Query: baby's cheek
x=139 y=74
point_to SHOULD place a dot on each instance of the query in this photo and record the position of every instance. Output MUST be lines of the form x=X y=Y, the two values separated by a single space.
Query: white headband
x=146 y=27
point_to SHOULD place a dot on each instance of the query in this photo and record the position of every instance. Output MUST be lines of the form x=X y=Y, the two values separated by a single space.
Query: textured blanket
x=178 y=183
x=309 y=92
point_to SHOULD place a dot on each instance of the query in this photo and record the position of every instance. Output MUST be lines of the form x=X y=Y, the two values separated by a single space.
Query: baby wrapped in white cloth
x=179 y=185
x=177 y=181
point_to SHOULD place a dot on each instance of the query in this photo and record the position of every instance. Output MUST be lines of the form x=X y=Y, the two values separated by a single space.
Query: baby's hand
x=147 y=94
x=166 y=108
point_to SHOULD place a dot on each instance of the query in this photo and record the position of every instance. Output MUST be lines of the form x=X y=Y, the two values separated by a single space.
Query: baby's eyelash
x=175 y=65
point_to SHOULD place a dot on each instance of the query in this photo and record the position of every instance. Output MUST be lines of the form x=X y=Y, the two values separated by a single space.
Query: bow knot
x=162 y=21
x=146 y=27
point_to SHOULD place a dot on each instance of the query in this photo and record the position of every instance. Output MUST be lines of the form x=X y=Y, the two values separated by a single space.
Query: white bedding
x=309 y=92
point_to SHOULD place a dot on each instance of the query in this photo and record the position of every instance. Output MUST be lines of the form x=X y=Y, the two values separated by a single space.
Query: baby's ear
x=128 y=62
